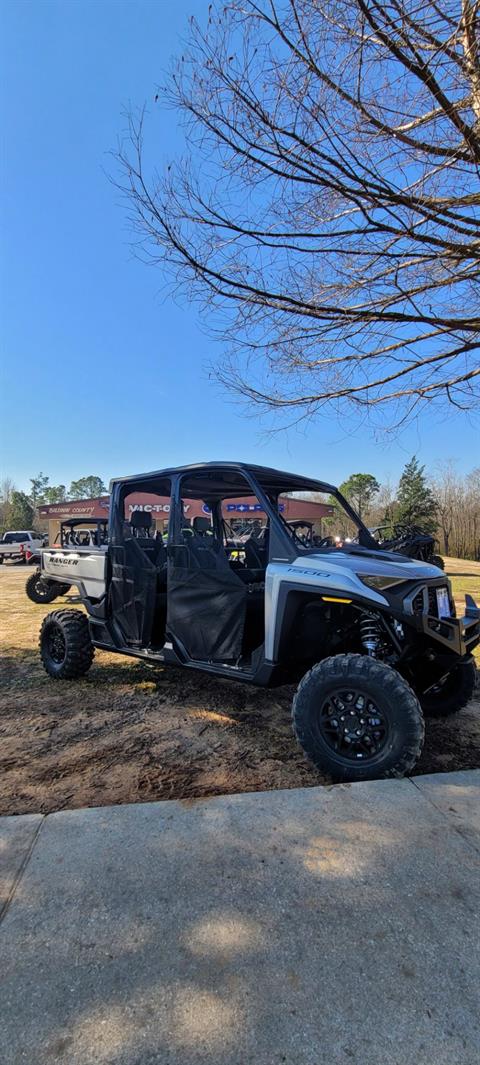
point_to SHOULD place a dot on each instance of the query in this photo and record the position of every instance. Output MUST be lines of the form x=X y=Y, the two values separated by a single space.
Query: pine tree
x=360 y=489
x=87 y=488
x=20 y=513
x=416 y=504
x=55 y=493
x=39 y=484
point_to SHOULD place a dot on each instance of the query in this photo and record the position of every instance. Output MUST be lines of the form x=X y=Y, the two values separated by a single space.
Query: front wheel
x=357 y=719
x=452 y=693
x=66 y=649
x=437 y=561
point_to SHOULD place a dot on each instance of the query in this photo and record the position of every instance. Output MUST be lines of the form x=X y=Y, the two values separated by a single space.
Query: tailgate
x=85 y=567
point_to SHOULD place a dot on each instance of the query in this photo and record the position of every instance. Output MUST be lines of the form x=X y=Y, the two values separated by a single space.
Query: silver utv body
x=325 y=576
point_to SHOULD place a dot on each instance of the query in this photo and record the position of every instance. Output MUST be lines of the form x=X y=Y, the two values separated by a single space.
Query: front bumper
x=460 y=635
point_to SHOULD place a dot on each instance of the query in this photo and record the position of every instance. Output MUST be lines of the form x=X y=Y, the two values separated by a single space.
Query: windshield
x=15 y=537
x=316 y=521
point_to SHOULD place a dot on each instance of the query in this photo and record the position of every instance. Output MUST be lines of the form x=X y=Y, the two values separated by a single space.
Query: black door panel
x=206 y=601
x=132 y=592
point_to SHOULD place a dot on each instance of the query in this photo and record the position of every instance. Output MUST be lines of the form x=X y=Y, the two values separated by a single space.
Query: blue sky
x=101 y=372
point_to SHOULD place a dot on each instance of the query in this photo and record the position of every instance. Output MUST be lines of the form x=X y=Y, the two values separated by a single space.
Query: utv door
x=134 y=572
x=132 y=592
x=206 y=601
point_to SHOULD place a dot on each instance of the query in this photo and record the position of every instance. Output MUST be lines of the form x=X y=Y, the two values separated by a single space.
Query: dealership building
x=159 y=507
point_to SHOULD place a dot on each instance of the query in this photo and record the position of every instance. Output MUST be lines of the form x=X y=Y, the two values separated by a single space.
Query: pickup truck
x=15 y=544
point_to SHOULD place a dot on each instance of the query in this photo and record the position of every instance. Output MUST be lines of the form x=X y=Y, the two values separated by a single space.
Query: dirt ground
x=127 y=733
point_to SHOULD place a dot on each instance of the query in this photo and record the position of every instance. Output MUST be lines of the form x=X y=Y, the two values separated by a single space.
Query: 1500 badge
x=309 y=572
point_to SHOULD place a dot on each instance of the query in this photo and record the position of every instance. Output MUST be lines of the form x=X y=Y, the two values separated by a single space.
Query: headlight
x=380 y=584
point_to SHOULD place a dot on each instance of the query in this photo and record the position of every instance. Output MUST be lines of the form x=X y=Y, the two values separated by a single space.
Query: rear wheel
x=66 y=649
x=357 y=719
x=453 y=693
x=40 y=590
x=62 y=589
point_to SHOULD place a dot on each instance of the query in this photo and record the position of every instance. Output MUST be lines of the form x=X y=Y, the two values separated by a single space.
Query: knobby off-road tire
x=42 y=591
x=357 y=719
x=437 y=561
x=66 y=649
x=455 y=692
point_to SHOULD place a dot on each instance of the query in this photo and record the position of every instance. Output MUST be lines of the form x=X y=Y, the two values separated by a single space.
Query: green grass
x=465 y=577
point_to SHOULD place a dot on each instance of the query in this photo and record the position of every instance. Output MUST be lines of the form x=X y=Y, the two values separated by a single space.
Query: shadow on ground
x=302 y=928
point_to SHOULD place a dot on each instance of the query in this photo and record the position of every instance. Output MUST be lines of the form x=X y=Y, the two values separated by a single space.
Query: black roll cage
x=99 y=527
x=282 y=546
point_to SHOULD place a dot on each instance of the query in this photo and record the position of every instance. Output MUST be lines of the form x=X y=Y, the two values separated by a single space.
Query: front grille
x=432 y=602
x=425 y=601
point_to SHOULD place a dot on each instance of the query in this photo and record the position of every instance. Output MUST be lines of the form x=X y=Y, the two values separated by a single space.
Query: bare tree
x=448 y=492
x=458 y=503
x=382 y=511
x=7 y=486
x=328 y=199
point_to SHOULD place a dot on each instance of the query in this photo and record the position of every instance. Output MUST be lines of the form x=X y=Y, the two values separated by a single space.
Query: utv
x=371 y=636
x=410 y=540
x=75 y=532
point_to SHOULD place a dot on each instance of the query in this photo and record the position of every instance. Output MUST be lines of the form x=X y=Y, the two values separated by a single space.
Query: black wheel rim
x=40 y=589
x=56 y=645
x=447 y=686
x=353 y=725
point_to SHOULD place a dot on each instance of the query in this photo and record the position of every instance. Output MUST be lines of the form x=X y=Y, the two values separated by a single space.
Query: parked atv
x=370 y=635
x=410 y=540
x=74 y=532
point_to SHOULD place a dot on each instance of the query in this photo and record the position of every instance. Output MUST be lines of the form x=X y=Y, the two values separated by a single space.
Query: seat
x=141 y=523
x=202 y=526
x=256 y=551
x=204 y=551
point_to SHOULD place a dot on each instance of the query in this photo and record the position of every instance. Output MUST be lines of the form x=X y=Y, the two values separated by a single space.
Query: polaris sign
x=242 y=508
x=231 y=508
x=249 y=508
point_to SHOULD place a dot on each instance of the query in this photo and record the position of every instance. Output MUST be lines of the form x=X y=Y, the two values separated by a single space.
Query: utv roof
x=72 y=522
x=223 y=478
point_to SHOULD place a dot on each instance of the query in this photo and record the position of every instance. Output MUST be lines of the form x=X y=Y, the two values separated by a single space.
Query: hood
x=378 y=563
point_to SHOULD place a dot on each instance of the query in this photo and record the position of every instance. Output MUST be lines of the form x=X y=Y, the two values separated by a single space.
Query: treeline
x=458 y=513
x=18 y=510
x=445 y=504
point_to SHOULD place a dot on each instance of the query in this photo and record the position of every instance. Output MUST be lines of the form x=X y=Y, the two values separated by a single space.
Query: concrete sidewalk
x=322 y=926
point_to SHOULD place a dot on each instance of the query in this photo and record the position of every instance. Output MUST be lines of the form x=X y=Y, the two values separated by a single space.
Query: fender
x=282 y=580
